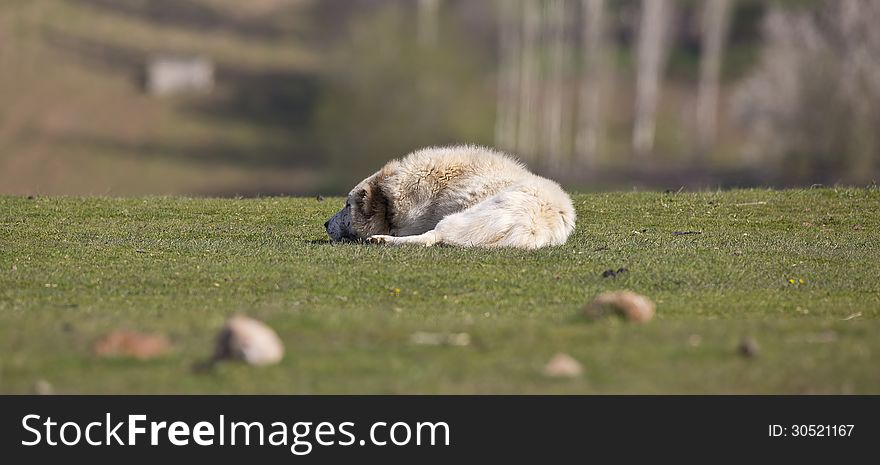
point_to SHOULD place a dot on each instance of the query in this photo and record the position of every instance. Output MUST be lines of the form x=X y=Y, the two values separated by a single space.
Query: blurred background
x=263 y=97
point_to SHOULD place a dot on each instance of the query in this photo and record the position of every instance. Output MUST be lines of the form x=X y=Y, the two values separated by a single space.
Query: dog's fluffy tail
x=529 y=215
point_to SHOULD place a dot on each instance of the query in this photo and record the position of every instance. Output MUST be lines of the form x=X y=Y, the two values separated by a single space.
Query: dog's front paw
x=379 y=239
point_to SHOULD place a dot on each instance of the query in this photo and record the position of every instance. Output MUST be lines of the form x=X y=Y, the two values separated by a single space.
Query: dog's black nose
x=326 y=223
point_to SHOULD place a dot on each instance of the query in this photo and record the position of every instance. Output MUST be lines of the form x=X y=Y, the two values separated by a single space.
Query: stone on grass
x=631 y=306
x=248 y=340
x=43 y=388
x=440 y=339
x=134 y=344
x=562 y=365
x=749 y=348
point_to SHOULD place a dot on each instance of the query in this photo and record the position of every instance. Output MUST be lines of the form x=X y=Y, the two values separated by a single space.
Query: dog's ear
x=373 y=204
x=361 y=200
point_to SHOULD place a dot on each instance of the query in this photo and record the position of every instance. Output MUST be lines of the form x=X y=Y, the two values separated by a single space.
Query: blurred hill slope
x=75 y=118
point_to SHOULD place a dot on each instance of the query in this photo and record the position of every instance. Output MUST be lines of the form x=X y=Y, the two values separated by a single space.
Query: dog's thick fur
x=464 y=196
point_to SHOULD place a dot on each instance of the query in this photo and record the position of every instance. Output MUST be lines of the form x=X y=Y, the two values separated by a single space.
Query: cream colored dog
x=465 y=196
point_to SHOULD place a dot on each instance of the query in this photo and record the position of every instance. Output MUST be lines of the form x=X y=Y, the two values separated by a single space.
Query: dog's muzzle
x=339 y=227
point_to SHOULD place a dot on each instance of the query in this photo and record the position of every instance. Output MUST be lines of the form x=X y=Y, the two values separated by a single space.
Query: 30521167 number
x=802 y=431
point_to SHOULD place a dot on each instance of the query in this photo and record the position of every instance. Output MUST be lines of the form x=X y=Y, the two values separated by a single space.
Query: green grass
x=72 y=269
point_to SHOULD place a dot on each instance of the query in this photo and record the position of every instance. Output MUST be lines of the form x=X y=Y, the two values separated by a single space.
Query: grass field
x=74 y=269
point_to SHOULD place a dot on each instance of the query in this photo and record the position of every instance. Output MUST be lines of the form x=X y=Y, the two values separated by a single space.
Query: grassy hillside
x=311 y=96
x=75 y=117
x=72 y=269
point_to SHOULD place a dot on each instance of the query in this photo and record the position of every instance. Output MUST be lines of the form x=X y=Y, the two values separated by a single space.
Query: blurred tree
x=554 y=114
x=810 y=108
x=530 y=79
x=651 y=57
x=506 y=117
x=714 y=26
x=594 y=73
x=429 y=12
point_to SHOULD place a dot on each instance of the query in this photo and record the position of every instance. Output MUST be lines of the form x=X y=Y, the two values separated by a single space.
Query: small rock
x=31 y=197
x=562 y=365
x=634 y=307
x=857 y=227
x=749 y=348
x=43 y=388
x=440 y=339
x=248 y=340
x=125 y=343
x=458 y=339
x=14 y=268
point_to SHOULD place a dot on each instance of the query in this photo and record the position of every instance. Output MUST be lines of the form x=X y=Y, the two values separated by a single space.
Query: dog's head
x=367 y=212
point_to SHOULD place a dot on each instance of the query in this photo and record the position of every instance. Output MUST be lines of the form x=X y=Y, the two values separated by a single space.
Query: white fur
x=466 y=196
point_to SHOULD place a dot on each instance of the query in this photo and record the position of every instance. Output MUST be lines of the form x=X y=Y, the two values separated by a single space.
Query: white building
x=174 y=74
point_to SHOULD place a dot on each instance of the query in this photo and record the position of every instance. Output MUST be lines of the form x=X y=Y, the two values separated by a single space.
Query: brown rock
x=43 y=388
x=749 y=348
x=634 y=307
x=125 y=343
x=562 y=365
x=248 y=340
x=440 y=339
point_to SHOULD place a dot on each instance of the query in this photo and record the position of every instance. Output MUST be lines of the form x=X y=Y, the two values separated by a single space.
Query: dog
x=467 y=196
